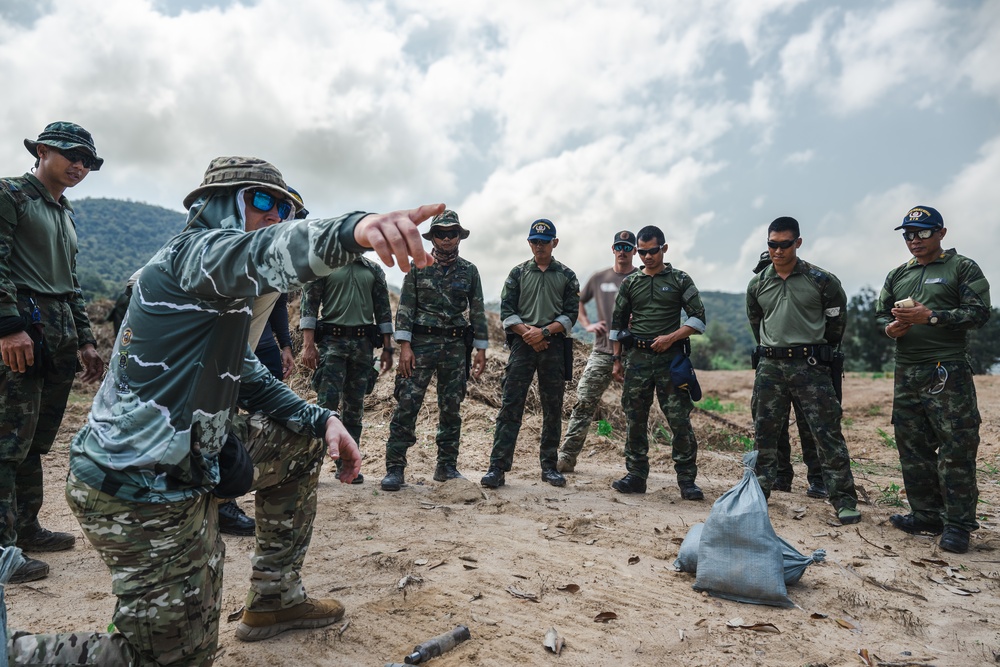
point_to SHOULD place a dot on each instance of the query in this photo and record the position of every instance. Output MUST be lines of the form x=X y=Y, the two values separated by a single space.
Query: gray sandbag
x=739 y=556
x=687 y=557
x=794 y=563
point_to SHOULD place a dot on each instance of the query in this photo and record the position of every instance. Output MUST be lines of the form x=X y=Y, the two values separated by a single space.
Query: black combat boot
x=494 y=478
x=234 y=521
x=445 y=471
x=630 y=484
x=690 y=490
x=393 y=479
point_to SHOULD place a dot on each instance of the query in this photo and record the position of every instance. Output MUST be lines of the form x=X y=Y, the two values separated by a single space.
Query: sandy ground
x=473 y=556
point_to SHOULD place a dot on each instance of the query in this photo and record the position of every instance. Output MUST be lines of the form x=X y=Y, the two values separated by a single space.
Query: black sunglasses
x=264 y=201
x=539 y=241
x=784 y=245
x=919 y=234
x=74 y=156
x=446 y=233
x=649 y=251
x=623 y=247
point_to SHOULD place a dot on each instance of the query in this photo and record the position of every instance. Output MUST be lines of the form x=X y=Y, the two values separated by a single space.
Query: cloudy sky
x=708 y=119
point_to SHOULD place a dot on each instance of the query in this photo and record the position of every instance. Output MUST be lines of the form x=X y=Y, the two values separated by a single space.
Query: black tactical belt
x=798 y=352
x=29 y=294
x=339 y=331
x=448 y=332
x=644 y=343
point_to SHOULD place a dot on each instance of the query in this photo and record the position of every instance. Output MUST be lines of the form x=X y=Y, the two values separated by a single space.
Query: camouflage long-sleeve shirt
x=352 y=296
x=439 y=296
x=181 y=363
x=807 y=308
x=955 y=288
x=38 y=249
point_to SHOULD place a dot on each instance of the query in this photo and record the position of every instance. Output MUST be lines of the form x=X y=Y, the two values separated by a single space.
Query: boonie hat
x=65 y=136
x=624 y=236
x=542 y=230
x=236 y=172
x=446 y=219
x=922 y=217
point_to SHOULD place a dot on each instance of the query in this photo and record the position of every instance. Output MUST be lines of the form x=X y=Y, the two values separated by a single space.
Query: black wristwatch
x=616 y=357
x=933 y=318
x=546 y=332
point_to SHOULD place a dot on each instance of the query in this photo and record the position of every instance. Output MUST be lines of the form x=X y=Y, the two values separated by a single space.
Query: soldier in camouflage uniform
x=647 y=324
x=601 y=288
x=435 y=337
x=338 y=311
x=143 y=469
x=43 y=326
x=814 y=469
x=934 y=411
x=797 y=313
x=538 y=306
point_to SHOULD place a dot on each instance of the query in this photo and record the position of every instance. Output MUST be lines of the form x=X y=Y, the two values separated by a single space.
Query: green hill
x=116 y=237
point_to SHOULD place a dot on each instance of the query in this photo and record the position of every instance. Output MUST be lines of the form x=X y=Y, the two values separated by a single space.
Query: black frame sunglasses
x=74 y=155
x=264 y=201
x=784 y=245
x=445 y=233
x=649 y=251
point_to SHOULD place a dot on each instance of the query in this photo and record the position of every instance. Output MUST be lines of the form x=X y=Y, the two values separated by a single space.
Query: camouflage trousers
x=341 y=378
x=810 y=456
x=938 y=439
x=447 y=359
x=646 y=373
x=166 y=560
x=31 y=410
x=521 y=368
x=595 y=381
x=775 y=385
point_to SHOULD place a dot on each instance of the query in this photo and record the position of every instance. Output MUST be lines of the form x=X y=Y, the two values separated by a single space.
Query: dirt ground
x=511 y=564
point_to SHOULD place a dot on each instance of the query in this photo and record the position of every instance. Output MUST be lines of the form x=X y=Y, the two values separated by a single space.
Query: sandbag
x=794 y=563
x=739 y=556
x=687 y=557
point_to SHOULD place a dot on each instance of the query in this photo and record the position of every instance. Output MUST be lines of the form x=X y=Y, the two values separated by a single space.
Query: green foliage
x=713 y=404
x=889 y=495
x=865 y=345
x=887 y=439
x=662 y=433
x=116 y=238
x=604 y=429
x=984 y=345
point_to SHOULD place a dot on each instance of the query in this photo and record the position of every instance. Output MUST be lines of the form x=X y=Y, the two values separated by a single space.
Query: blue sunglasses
x=265 y=201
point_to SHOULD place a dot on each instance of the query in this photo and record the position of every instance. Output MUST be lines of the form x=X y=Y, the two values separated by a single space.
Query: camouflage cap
x=65 y=136
x=235 y=172
x=446 y=219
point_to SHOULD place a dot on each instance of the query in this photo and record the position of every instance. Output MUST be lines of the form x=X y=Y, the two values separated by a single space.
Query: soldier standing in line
x=602 y=288
x=934 y=411
x=810 y=456
x=797 y=313
x=43 y=326
x=538 y=305
x=347 y=314
x=435 y=337
x=647 y=324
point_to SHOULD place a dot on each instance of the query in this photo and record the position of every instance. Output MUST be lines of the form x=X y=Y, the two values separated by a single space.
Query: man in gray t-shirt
x=602 y=288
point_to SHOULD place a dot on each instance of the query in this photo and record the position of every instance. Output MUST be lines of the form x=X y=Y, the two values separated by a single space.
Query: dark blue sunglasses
x=265 y=201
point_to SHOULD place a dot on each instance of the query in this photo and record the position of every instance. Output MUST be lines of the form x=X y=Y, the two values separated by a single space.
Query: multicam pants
x=432 y=354
x=648 y=372
x=32 y=405
x=938 y=439
x=595 y=381
x=166 y=560
x=341 y=378
x=521 y=367
x=775 y=385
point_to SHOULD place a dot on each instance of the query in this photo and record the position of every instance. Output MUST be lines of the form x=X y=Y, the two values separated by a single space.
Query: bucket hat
x=446 y=219
x=63 y=135
x=235 y=172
